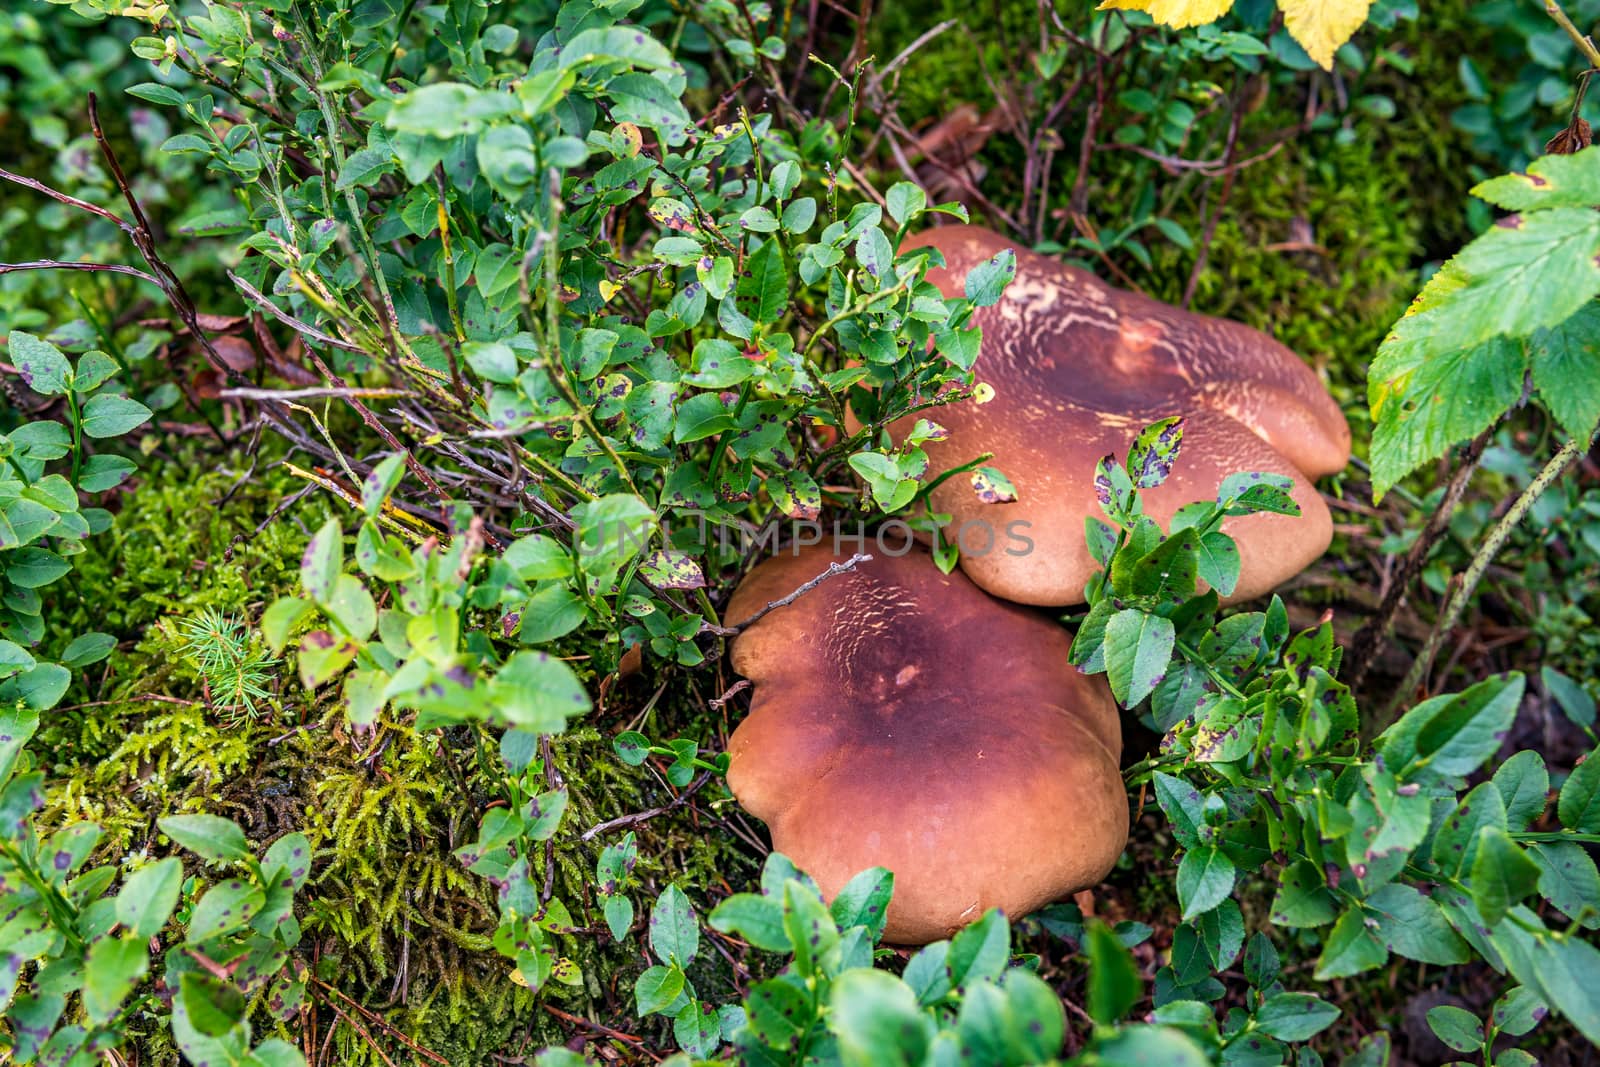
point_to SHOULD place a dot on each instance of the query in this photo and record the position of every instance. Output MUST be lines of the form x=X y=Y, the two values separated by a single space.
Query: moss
x=391 y=918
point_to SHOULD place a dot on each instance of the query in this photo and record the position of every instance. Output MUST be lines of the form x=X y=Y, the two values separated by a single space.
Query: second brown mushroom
x=1078 y=368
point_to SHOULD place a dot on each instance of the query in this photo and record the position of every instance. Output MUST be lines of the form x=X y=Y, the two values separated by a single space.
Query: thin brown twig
x=642 y=816
x=834 y=570
x=305 y=329
x=310 y=393
x=57 y=264
x=71 y=201
x=1364 y=645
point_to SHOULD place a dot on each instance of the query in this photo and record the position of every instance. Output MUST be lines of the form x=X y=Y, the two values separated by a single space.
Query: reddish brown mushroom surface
x=1077 y=368
x=904 y=718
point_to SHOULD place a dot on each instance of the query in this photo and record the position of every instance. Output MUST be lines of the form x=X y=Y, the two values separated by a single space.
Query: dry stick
x=144 y=239
x=640 y=816
x=1585 y=43
x=1485 y=555
x=1364 y=645
x=309 y=393
x=297 y=325
x=56 y=264
x=1229 y=173
x=833 y=571
x=71 y=201
x=385 y=1025
x=578 y=1020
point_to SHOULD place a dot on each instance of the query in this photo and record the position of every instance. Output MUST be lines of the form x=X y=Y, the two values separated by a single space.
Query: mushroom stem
x=1481 y=559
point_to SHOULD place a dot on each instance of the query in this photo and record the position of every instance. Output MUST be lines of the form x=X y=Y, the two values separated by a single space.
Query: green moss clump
x=391 y=918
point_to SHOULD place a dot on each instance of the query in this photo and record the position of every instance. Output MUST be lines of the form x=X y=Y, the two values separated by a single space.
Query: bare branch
x=56 y=264
x=833 y=571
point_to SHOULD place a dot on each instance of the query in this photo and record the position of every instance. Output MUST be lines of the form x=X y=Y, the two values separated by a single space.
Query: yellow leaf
x=1179 y=14
x=1321 y=26
x=609 y=290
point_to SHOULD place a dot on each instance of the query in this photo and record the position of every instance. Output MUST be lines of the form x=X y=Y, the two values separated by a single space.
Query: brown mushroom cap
x=904 y=718
x=1078 y=368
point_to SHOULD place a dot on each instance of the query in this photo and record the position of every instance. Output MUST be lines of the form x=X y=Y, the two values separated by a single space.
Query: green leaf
x=1411 y=925
x=1217 y=561
x=810 y=927
x=94 y=369
x=1552 y=253
x=364 y=167
x=1456 y=1027
x=701 y=416
x=542 y=815
x=1114 y=985
x=210 y=837
x=100 y=473
x=110 y=970
x=632 y=747
x=1138 y=649
x=763 y=288
x=1351 y=948
x=291 y=852
x=1205 y=878
x=987 y=281
x=536 y=692
x=1295 y=1016
x=322 y=561
x=1184 y=807
x=697 y=1029
x=34 y=568
x=322 y=656
x=1575 y=701
x=87 y=648
x=380 y=482
x=656 y=988
x=148 y=896
x=1303 y=898
x=1565 y=972
x=1568 y=879
x=42 y=687
x=280 y=619
x=226 y=906
x=1423 y=403
x=877 y=1020
x=1524 y=785
x=756 y=918
x=1154 y=451
x=1518 y=1012
x=628 y=45
x=646 y=101
x=1502 y=875
x=156 y=93
x=906 y=201
x=864 y=901
x=674 y=934
x=1151 y=1046
x=1455 y=843
x=1566 y=370
x=1578 y=805
x=352 y=607
x=1550 y=182
x=1470 y=727
x=619 y=916
x=108 y=415
x=979 y=952
x=492 y=361
x=42 y=366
